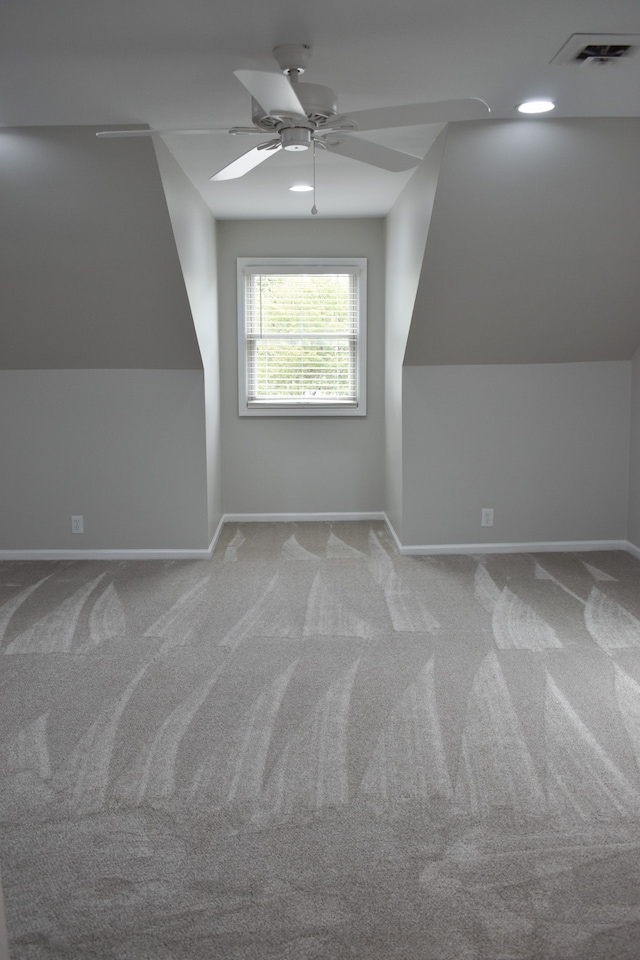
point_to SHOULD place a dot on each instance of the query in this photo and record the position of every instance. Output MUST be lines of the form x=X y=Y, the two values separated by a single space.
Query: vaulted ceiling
x=171 y=63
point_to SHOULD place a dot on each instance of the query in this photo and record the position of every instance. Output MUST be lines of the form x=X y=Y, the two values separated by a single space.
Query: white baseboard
x=216 y=534
x=545 y=546
x=299 y=517
x=150 y=554
x=633 y=550
x=393 y=533
x=203 y=553
x=407 y=550
x=551 y=546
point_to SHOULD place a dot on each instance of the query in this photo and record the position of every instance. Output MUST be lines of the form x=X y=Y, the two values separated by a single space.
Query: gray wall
x=111 y=405
x=311 y=464
x=90 y=275
x=101 y=387
x=407 y=226
x=634 y=458
x=545 y=445
x=529 y=266
x=532 y=248
x=124 y=448
x=194 y=229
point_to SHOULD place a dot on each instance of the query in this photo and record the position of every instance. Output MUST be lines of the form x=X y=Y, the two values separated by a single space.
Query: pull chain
x=314 y=209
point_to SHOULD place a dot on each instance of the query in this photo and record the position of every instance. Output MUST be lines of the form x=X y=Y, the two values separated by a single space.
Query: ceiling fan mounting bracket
x=293 y=58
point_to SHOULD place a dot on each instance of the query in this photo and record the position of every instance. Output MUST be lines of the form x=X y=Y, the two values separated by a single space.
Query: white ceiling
x=171 y=62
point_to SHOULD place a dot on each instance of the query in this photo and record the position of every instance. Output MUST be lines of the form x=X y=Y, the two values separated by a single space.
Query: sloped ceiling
x=532 y=252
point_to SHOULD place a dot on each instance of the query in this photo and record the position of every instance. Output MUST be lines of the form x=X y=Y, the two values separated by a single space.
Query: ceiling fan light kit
x=295 y=138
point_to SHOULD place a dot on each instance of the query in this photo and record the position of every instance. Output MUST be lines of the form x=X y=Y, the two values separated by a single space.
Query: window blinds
x=301 y=329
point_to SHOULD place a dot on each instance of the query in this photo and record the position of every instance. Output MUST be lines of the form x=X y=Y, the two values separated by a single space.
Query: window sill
x=302 y=410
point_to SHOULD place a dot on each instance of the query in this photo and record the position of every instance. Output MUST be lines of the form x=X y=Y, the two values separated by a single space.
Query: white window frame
x=300 y=408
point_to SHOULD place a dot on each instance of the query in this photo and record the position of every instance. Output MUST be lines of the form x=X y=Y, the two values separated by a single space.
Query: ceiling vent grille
x=597 y=49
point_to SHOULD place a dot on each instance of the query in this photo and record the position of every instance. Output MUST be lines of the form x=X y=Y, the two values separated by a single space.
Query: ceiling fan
x=299 y=116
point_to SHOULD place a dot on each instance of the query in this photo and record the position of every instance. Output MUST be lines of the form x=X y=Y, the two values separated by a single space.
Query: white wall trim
x=300 y=517
x=114 y=554
x=544 y=546
x=407 y=550
x=204 y=553
x=552 y=546
x=633 y=550
x=393 y=533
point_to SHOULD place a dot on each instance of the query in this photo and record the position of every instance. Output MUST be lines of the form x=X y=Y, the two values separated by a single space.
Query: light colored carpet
x=311 y=747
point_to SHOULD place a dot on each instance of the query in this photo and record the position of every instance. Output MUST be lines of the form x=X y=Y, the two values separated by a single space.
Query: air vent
x=604 y=52
x=597 y=49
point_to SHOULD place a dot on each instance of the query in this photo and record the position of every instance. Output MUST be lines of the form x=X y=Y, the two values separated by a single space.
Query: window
x=301 y=337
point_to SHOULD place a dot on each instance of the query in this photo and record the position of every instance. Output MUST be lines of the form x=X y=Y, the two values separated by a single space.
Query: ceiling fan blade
x=245 y=163
x=416 y=114
x=162 y=130
x=273 y=92
x=374 y=153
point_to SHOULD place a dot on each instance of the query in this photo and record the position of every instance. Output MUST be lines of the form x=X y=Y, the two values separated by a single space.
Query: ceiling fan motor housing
x=320 y=106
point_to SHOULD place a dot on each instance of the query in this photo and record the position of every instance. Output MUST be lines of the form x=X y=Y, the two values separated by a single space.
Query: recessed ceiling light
x=536 y=106
x=301 y=187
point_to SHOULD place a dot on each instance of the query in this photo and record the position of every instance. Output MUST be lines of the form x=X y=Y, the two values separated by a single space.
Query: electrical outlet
x=487 y=516
x=77 y=524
